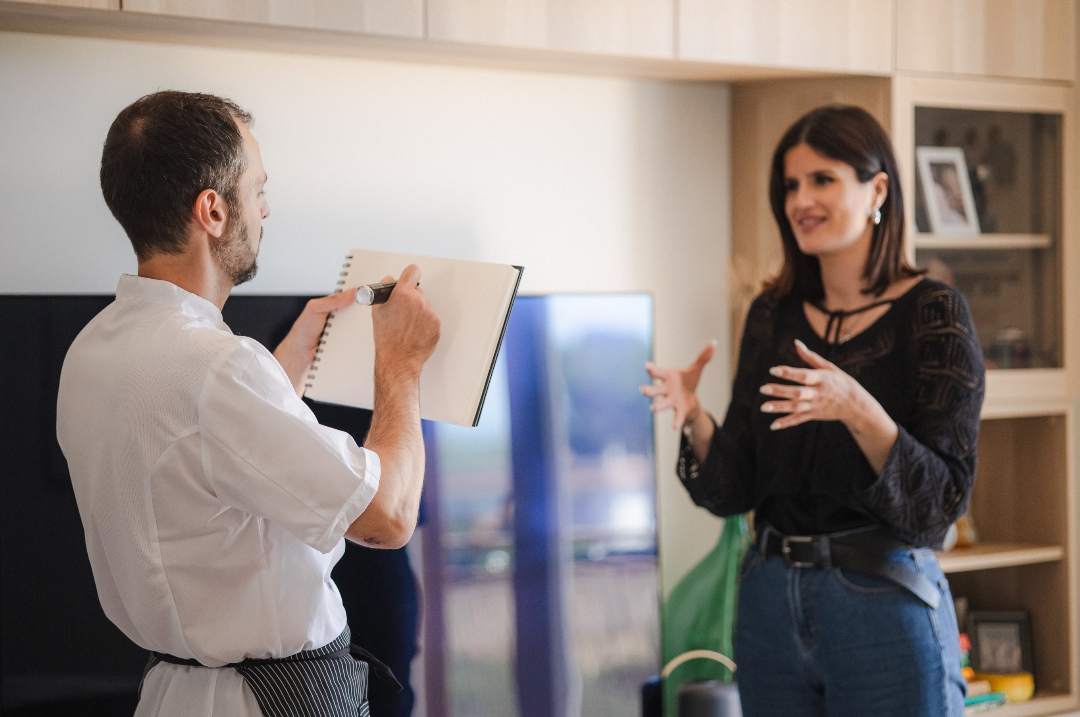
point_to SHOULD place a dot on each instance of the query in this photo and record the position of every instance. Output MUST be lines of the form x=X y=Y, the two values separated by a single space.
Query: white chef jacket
x=213 y=503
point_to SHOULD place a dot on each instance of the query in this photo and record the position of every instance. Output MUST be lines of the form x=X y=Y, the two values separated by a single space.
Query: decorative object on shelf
x=966 y=534
x=940 y=271
x=1017 y=688
x=984 y=703
x=960 y=604
x=1010 y=349
x=950 y=204
x=950 y=539
x=965 y=659
x=1000 y=642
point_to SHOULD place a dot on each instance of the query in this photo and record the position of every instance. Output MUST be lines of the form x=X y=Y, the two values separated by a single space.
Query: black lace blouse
x=921 y=360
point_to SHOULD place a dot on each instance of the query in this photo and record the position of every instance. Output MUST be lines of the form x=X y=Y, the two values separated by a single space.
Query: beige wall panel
x=620 y=27
x=378 y=17
x=96 y=4
x=760 y=114
x=403 y=18
x=492 y=22
x=849 y=35
x=1006 y=38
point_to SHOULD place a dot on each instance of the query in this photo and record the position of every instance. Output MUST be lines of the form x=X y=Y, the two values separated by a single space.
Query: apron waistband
x=334 y=676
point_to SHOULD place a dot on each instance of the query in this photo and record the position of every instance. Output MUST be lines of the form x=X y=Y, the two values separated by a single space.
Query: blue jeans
x=826 y=643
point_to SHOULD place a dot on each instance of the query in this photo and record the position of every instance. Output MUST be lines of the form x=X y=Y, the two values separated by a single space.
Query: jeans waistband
x=862 y=549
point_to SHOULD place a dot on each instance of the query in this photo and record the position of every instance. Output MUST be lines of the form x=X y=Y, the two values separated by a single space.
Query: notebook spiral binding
x=310 y=382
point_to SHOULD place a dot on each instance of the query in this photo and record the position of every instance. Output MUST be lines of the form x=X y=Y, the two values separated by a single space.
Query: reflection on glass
x=1013 y=286
x=476 y=508
x=568 y=623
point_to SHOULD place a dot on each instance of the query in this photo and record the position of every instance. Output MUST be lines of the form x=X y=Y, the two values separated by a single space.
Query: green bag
x=700 y=613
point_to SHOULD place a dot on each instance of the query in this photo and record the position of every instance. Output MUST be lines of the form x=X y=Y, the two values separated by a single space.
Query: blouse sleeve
x=723 y=483
x=926 y=482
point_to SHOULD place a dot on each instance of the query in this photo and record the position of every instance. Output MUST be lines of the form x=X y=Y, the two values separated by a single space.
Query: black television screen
x=543 y=573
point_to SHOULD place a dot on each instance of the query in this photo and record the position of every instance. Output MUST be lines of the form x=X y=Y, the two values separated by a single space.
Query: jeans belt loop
x=763 y=539
x=785 y=550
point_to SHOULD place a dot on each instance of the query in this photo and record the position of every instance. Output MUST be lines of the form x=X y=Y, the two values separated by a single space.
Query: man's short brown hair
x=161 y=152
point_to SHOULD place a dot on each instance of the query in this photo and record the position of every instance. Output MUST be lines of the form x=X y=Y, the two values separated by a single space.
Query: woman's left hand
x=827 y=393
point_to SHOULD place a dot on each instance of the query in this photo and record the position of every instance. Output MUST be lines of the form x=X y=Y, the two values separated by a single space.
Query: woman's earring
x=877 y=217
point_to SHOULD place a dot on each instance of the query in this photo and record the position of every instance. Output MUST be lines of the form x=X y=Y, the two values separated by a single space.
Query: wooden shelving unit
x=1024 y=503
x=1024 y=510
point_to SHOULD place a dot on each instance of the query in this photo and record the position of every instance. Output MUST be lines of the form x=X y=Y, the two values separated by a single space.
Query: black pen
x=371 y=294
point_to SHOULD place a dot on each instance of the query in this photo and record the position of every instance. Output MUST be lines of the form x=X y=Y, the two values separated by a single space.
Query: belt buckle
x=785 y=549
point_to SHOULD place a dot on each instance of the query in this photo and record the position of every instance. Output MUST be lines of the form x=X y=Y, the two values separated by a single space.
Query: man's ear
x=210 y=213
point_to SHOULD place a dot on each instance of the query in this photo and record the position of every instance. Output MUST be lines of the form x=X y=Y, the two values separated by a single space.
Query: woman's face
x=829 y=208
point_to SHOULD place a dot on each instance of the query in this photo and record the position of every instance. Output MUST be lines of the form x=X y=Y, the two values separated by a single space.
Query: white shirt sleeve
x=264 y=452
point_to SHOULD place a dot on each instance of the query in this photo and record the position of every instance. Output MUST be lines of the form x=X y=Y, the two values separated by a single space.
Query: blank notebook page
x=472 y=299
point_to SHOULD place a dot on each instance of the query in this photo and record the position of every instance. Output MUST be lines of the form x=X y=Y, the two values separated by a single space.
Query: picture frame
x=950 y=205
x=1000 y=641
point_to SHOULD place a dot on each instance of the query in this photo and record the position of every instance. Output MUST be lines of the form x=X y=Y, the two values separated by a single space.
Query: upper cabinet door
x=97 y=4
x=1005 y=38
x=837 y=35
x=402 y=18
x=643 y=28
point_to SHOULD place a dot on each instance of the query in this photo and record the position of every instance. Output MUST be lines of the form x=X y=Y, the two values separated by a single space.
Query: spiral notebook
x=473 y=300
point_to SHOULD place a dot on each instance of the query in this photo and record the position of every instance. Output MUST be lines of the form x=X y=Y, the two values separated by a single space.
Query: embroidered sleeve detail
x=723 y=483
x=927 y=479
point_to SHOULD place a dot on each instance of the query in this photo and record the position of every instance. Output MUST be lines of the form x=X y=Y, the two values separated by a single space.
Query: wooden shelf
x=984 y=556
x=1042 y=703
x=982 y=241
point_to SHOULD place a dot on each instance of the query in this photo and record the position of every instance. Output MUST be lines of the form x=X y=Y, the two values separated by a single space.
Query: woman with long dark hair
x=851 y=434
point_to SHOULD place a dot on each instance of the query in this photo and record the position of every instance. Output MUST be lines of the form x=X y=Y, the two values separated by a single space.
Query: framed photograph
x=947 y=190
x=1000 y=641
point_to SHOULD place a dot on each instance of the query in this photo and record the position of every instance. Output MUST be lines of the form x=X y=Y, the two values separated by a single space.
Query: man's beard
x=234 y=253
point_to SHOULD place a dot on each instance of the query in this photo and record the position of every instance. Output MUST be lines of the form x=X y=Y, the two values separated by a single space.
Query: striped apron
x=331 y=681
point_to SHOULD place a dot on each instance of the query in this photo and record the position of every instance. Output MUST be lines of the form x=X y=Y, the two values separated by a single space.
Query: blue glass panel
x=546 y=561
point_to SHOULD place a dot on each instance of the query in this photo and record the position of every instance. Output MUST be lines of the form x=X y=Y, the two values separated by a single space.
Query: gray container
x=709 y=698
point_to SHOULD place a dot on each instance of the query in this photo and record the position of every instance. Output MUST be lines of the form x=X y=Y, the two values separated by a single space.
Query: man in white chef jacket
x=214 y=504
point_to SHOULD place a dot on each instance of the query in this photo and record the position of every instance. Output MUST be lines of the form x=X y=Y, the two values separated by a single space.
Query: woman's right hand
x=677 y=388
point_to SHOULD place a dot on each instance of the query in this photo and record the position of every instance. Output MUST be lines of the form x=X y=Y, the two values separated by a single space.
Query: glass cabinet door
x=988 y=199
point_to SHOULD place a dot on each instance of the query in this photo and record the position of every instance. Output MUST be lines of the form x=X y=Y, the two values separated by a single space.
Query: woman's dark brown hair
x=851 y=135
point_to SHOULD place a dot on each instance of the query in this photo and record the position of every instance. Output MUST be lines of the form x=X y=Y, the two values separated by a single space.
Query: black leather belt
x=864 y=550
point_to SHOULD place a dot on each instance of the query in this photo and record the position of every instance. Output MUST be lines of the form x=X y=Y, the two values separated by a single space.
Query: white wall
x=592 y=183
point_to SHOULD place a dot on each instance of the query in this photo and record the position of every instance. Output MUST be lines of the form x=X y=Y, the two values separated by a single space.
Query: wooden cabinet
x=699 y=39
x=94 y=4
x=807 y=34
x=1006 y=38
x=403 y=18
x=619 y=27
x=1024 y=508
x=1019 y=142
x=1034 y=237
